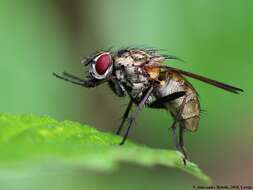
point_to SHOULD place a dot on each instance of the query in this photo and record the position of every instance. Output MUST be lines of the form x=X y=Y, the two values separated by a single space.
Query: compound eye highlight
x=102 y=63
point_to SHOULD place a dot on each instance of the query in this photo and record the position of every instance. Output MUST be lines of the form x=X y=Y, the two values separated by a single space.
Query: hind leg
x=190 y=124
x=179 y=146
x=160 y=104
x=181 y=143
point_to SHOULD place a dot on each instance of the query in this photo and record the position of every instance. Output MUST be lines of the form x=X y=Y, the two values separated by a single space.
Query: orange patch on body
x=152 y=71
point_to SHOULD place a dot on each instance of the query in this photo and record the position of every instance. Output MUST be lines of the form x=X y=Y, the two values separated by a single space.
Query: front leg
x=78 y=81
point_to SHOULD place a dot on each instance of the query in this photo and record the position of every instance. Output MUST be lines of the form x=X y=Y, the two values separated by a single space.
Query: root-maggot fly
x=142 y=75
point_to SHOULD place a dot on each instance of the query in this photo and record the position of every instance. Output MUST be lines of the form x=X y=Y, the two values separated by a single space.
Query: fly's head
x=100 y=66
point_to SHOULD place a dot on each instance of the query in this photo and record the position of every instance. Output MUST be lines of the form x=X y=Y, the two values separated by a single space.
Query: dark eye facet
x=103 y=62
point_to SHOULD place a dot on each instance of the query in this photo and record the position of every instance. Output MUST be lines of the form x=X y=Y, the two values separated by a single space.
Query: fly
x=142 y=75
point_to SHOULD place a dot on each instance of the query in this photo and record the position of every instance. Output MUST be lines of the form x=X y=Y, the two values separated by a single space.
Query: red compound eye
x=103 y=63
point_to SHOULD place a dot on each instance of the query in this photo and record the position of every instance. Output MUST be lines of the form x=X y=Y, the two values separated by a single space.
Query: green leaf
x=28 y=140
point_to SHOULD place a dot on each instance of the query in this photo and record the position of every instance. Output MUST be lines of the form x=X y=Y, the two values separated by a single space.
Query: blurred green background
x=214 y=37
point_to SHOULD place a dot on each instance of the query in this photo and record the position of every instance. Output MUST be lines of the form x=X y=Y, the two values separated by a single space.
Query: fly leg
x=124 y=117
x=75 y=80
x=69 y=79
x=159 y=103
x=71 y=76
x=134 y=115
x=181 y=143
x=173 y=127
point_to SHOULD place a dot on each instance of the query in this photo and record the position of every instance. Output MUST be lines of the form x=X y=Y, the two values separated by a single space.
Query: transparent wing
x=218 y=84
